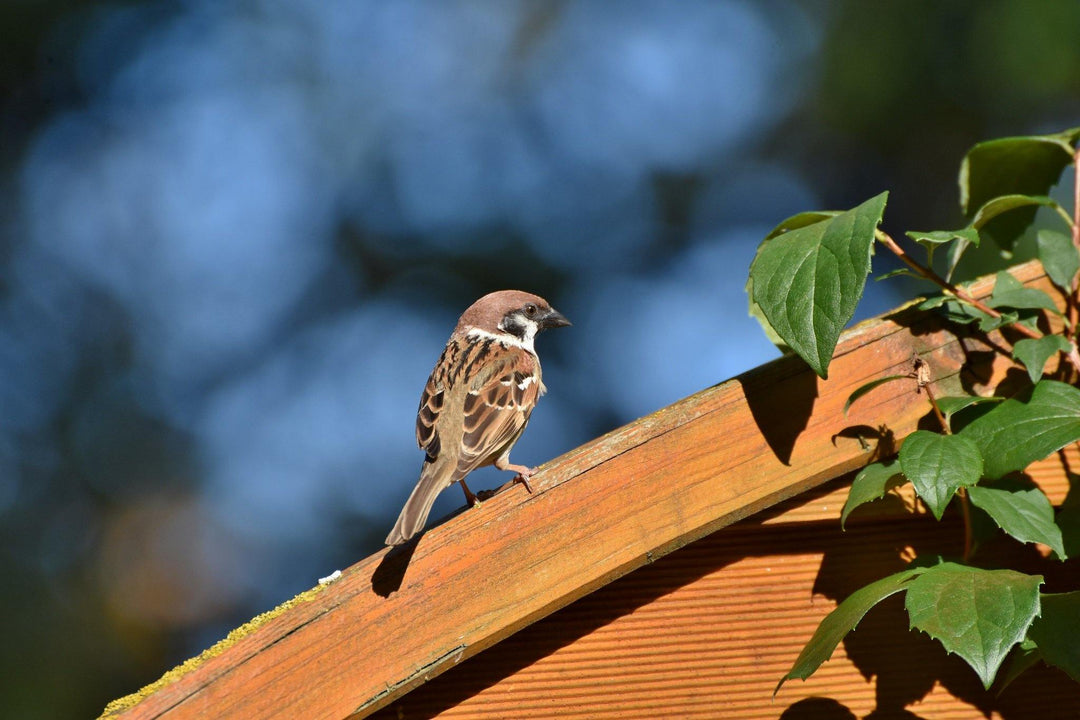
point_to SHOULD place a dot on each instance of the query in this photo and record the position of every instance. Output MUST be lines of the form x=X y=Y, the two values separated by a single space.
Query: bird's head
x=513 y=316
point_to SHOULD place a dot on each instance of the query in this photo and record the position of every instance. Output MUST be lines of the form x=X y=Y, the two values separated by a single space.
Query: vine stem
x=937 y=410
x=1074 y=299
x=965 y=507
x=923 y=377
x=1076 y=204
x=1073 y=302
x=961 y=294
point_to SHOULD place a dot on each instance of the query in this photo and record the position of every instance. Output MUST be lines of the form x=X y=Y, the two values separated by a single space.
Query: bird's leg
x=523 y=473
x=470 y=497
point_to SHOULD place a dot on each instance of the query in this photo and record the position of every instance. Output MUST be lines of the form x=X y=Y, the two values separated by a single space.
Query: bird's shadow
x=390 y=573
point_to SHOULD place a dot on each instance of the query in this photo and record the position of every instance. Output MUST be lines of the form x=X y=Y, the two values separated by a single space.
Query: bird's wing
x=497 y=407
x=431 y=404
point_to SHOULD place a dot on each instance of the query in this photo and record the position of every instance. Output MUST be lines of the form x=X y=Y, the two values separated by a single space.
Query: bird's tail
x=433 y=480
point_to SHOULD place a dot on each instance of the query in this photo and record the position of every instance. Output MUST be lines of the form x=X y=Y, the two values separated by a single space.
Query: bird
x=478 y=399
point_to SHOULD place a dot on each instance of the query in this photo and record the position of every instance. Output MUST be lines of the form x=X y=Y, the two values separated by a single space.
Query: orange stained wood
x=394 y=621
x=707 y=632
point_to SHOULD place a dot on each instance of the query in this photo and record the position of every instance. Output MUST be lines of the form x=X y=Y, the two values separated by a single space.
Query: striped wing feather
x=431 y=403
x=497 y=409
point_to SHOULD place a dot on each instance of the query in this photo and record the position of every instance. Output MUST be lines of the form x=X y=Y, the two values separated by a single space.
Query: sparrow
x=478 y=399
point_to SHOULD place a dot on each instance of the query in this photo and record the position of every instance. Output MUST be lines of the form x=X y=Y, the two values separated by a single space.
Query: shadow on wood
x=611 y=509
x=390 y=573
x=782 y=409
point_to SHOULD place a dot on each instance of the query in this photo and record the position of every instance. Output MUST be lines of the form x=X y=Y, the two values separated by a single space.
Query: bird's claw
x=523 y=478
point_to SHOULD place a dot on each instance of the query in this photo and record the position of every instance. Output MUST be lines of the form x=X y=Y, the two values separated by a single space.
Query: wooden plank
x=708 y=631
x=394 y=621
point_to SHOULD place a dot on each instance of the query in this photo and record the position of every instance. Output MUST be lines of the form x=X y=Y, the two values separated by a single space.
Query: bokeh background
x=235 y=234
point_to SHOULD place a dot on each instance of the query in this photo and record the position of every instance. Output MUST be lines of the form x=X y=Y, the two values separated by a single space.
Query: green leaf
x=938 y=465
x=964 y=314
x=808 y=280
x=1010 y=292
x=801 y=220
x=863 y=389
x=1005 y=203
x=872 y=482
x=1057 y=632
x=1027 y=427
x=933 y=302
x=951 y=405
x=794 y=222
x=1025 y=514
x=897 y=273
x=843 y=620
x=758 y=314
x=930 y=240
x=989 y=322
x=1030 y=321
x=939 y=237
x=977 y=614
x=961 y=312
x=956 y=251
x=1035 y=353
x=1028 y=165
x=963 y=238
x=1013 y=166
x=1059 y=257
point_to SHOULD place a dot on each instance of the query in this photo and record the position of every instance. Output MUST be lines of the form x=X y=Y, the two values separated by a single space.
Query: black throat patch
x=512 y=323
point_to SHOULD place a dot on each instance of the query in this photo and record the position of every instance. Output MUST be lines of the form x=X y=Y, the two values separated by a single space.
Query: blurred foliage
x=116 y=562
x=906 y=88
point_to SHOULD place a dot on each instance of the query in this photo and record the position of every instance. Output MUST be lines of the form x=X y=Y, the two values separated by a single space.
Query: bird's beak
x=553 y=319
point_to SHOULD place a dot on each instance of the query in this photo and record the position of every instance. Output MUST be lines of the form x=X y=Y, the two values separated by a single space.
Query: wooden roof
x=398 y=619
x=707 y=631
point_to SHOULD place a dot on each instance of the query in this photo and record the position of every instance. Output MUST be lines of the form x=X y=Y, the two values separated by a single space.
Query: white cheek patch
x=507 y=339
x=531 y=328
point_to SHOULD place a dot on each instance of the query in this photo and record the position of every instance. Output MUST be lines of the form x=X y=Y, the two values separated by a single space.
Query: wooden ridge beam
x=397 y=619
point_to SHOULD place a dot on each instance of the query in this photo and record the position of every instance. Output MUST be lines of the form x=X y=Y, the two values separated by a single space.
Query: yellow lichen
x=123 y=704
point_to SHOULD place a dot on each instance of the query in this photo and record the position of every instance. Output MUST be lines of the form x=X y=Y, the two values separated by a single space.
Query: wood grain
x=707 y=631
x=394 y=621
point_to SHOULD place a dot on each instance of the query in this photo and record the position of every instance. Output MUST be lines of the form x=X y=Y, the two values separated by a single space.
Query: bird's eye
x=530 y=310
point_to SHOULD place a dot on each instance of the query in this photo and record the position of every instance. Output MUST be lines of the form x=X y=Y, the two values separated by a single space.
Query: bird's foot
x=523 y=475
x=470 y=497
